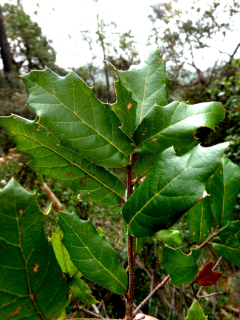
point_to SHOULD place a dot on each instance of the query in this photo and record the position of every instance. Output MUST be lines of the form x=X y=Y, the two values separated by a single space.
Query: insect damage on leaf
x=206 y=276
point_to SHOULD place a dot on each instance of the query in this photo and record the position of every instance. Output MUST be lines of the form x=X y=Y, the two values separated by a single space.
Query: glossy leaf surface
x=147 y=82
x=200 y=219
x=195 y=312
x=92 y=182
x=181 y=267
x=227 y=242
x=175 y=125
x=206 y=276
x=169 y=236
x=67 y=107
x=224 y=189
x=172 y=187
x=125 y=108
x=81 y=291
x=27 y=275
x=92 y=254
x=62 y=254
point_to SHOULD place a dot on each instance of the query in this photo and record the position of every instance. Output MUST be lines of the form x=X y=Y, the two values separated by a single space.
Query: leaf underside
x=92 y=182
x=67 y=107
x=31 y=283
x=181 y=267
x=172 y=187
x=195 y=312
x=169 y=236
x=92 y=254
x=62 y=254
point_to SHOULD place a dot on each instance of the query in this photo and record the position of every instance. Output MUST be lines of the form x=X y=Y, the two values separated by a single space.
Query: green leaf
x=92 y=254
x=224 y=189
x=195 y=312
x=138 y=244
x=92 y=182
x=81 y=291
x=227 y=242
x=144 y=164
x=181 y=267
x=62 y=254
x=31 y=282
x=147 y=82
x=67 y=107
x=172 y=187
x=200 y=219
x=175 y=125
x=169 y=236
x=125 y=108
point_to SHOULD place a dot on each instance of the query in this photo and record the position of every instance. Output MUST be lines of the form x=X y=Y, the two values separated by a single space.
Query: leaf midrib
x=156 y=194
x=110 y=142
x=26 y=263
x=72 y=163
x=93 y=255
x=160 y=132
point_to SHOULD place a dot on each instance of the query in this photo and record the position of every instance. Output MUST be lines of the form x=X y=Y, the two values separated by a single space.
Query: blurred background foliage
x=24 y=47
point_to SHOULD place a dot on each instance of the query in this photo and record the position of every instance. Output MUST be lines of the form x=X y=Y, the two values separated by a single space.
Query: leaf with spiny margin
x=200 y=220
x=195 y=312
x=92 y=182
x=169 y=236
x=227 y=242
x=31 y=282
x=175 y=125
x=62 y=254
x=92 y=254
x=172 y=187
x=67 y=107
x=224 y=189
x=81 y=290
x=181 y=267
x=125 y=108
x=147 y=82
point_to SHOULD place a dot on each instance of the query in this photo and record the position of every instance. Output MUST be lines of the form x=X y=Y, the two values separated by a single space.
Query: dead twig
x=159 y=286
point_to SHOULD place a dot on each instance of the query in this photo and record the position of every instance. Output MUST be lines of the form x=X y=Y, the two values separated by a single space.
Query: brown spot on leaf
x=71 y=175
x=15 y=312
x=20 y=211
x=38 y=129
x=86 y=178
x=80 y=181
x=53 y=91
x=143 y=134
x=48 y=133
x=154 y=139
x=129 y=106
x=207 y=277
x=88 y=166
x=162 y=61
x=5 y=248
x=35 y=267
x=176 y=134
x=88 y=192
